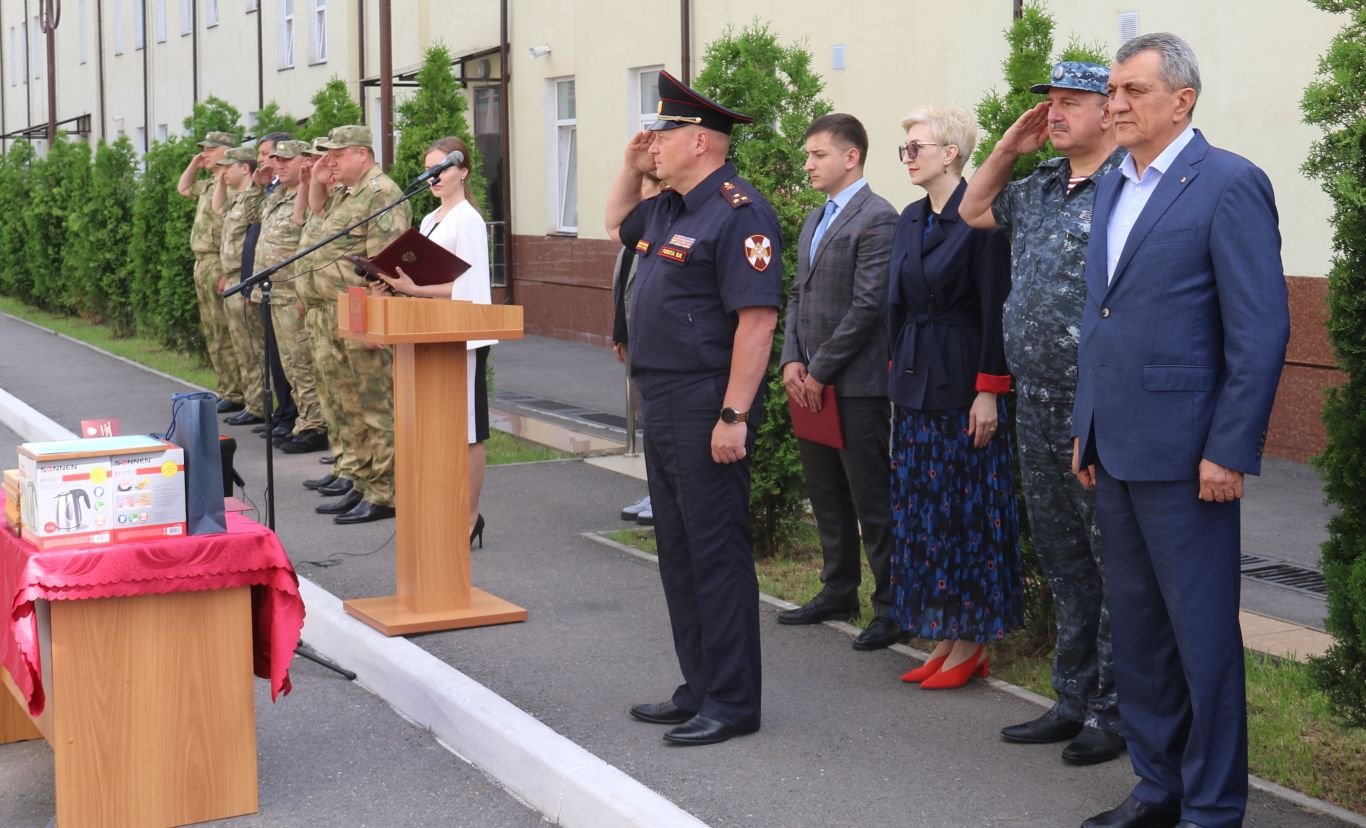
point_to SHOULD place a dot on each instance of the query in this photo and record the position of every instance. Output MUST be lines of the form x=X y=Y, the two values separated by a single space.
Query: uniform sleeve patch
x=733 y=195
x=758 y=252
x=642 y=246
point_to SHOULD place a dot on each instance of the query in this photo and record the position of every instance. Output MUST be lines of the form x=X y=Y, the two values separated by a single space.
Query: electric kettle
x=69 y=510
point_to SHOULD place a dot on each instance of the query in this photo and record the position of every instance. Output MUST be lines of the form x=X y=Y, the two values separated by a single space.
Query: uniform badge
x=642 y=246
x=758 y=252
x=673 y=254
x=682 y=241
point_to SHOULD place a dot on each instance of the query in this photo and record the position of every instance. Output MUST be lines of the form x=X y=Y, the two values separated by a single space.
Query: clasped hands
x=804 y=389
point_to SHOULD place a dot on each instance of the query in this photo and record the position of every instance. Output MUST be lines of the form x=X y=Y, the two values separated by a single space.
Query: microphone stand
x=262 y=277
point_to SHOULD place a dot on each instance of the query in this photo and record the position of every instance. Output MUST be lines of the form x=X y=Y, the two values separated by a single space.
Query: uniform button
x=1104 y=313
x=910 y=370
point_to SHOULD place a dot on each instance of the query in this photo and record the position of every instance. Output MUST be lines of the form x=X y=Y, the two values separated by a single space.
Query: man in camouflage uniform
x=370 y=439
x=238 y=200
x=281 y=224
x=280 y=424
x=206 y=238
x=1048 y=215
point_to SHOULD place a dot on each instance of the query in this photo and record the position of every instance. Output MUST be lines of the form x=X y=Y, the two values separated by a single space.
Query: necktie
x=822 y=227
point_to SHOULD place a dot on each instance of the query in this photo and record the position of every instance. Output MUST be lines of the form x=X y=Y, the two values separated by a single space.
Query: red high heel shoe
x=915 y=675
x=976 y=665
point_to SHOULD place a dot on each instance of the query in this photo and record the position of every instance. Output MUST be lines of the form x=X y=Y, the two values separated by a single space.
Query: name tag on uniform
x=673 y=254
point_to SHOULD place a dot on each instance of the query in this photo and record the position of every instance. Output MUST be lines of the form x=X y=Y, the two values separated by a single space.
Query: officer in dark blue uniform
x=708 y=286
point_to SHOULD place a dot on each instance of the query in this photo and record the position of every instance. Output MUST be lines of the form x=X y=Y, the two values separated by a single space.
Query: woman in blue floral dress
x=956 y=564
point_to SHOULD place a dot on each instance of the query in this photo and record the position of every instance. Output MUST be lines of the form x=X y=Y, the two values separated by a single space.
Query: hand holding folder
x=819 y=426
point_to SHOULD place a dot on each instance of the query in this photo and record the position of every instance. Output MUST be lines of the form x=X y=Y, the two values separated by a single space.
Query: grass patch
x=504 y=448
x=1295 y=738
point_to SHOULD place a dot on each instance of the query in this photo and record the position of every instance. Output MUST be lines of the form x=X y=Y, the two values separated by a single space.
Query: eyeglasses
x=911 y=151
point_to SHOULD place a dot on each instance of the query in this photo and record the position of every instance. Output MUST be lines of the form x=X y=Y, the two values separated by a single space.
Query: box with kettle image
x=103 y=490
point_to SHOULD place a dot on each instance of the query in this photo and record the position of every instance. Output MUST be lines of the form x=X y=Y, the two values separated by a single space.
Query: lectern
x=431 y=458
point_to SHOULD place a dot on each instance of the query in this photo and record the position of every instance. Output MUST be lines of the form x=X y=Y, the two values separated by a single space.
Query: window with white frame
x=139 y=23
x=118 y=27
x=187 y=17
x=159 y=20
x=38 y=44
x=286 y=34
x=82 y=29
x=318 y=38
x=210 y=13
x=13 y=56
x=646 y=96
x=163 y=133
x=566 y=157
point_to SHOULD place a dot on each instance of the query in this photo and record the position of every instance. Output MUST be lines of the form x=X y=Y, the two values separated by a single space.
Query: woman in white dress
x=457 y=226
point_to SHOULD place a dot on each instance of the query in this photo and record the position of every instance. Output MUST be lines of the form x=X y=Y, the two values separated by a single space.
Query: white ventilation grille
x=837 y=57
x=1128 y=26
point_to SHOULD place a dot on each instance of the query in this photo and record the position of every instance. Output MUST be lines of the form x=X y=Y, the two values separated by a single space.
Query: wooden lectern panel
x=394 y=320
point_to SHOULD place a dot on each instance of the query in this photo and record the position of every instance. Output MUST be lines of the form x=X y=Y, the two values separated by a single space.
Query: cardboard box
x=103 y=490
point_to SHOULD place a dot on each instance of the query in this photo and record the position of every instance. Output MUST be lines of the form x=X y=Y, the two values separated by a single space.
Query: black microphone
x=455 y=159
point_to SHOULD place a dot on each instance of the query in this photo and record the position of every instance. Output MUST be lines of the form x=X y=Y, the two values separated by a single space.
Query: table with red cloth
x=248 y=554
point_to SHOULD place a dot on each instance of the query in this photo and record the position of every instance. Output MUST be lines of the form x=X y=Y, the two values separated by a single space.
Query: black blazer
x=944 y=304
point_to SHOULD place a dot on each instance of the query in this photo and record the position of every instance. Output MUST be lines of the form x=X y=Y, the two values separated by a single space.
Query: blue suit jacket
x=1181 y=353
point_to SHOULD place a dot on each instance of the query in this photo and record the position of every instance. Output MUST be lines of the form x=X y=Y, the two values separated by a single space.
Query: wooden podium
x=431 y=458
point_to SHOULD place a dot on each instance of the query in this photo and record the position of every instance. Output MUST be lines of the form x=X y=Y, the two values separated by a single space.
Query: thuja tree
x=95 y=259
x=435 y=111
x=752 y=72
x=57 y=181
x=333 y=106
x=14 y=197
x=1336 y=103
x=271 y=119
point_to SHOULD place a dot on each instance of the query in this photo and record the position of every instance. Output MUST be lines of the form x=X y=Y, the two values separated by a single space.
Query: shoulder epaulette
x=733 y=195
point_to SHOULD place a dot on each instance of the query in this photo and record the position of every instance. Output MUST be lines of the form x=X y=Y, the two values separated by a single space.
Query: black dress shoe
x=282 y=430
x=351 y=500
x=699 y=730
x=1093 y=746
x=365 y=512
x=883 y=632
x=321 y=481
x=821 y=608
x=305 y=442
x=261 y=429
x=1135 y=813
x=244 y=417
x=336 y=488
x=661 y=713
x=327 y=459
x=228 y=406
x=1048 y=728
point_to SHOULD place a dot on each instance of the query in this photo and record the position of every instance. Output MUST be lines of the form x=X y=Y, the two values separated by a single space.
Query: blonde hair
x=951 y=125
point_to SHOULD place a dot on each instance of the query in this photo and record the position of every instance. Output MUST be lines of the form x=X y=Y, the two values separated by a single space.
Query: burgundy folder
x=819 y=427
x=425 y=261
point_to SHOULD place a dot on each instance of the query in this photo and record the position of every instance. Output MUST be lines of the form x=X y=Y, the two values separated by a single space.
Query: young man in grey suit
x=834 y=335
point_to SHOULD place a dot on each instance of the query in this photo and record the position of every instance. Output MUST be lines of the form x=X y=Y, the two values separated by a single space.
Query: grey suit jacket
x=835 y=309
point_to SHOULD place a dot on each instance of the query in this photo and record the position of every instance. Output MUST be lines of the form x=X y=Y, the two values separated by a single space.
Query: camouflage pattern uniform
x=244 y=318
x=371 y=438
x=206 y=240
x=278 y=241
x=1049 y=228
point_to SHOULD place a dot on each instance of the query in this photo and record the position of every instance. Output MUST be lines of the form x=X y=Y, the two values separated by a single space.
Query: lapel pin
x=1182 y=181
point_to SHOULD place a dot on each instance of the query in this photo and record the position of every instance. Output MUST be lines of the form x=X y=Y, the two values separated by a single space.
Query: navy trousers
x=706 y=562
x=1171 y=573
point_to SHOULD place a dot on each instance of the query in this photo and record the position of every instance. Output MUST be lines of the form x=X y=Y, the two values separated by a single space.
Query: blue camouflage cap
x=1074 y=74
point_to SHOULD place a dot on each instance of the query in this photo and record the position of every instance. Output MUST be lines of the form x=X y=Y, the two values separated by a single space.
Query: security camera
x=539 y=51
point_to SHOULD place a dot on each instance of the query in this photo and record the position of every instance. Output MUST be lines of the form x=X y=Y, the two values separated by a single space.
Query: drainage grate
x=579 y=416
x=1280 y=573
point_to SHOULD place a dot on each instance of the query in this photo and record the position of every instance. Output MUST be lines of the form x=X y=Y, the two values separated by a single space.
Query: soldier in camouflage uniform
x=206 y=237
x=281 y=225
x=1048 y=215
x=367 y=189
x=238 y=200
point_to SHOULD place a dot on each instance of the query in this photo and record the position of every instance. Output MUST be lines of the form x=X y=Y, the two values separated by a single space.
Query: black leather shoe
x=1135 y=813
x=305 y=442
x=365 y=512
x=228 y=406
x=1093 y=746
x=351 y=500
x=883 y=632
x=336 y=488
x=661 y=713
x=327 y=459
x=260 y=429
x=282 y=430
x=321 y=481
x=699 y=730
x=1048 y=728
x=821 y=608
x=244 y=417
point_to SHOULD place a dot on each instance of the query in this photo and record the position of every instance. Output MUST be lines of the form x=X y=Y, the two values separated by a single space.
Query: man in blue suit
x=1183 y=338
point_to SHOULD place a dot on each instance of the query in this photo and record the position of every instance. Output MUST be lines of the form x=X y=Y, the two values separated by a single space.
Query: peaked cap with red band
x=680 y=106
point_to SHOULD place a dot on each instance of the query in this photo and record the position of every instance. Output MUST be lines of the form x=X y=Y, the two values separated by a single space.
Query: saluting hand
x=728 y=442
x=638 y=152
x=1029 y=132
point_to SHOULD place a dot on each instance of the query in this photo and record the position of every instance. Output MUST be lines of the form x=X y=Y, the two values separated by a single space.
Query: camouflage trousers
x=296 y=358
x=1062 y=522
x=217 y=336
x=248 y=340
x=331 y=374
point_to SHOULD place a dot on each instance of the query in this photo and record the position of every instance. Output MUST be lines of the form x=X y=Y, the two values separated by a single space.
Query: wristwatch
x=730 y=416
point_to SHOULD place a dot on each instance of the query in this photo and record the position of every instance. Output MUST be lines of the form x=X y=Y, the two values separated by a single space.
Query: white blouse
x=463 y=232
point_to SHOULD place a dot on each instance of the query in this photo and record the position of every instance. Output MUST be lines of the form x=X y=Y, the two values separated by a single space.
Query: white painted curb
x=571 y=786
x=27 y=422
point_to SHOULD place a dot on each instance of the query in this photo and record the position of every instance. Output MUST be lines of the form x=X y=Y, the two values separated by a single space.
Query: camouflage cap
x=355 y=135
x=219 y=139
x=291 y=149
x=1072 y=74
x=237 y=155
x=316 y=148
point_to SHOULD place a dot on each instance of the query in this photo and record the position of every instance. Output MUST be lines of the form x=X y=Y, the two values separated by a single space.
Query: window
x=319 y=39
x=39 y=42
x=162 y=133
x=118 y=27
x=160 y=21
x=140 y=143
x=186 y=17
x=139 y=24
x=210 y=13
x=286 y=34
x=82 y=29
x=13 y=56
x=646 y=95
x=566 y=157
x=253 y=5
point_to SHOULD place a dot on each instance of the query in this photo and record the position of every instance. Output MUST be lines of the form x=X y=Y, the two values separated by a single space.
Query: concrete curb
x=25 y=421
x=571 y=786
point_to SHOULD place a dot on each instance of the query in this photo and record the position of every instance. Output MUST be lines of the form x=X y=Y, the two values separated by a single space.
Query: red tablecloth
x=248 y=554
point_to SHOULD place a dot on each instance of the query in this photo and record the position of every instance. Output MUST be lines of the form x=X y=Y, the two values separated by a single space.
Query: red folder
x=819 y=427
x=425 y=261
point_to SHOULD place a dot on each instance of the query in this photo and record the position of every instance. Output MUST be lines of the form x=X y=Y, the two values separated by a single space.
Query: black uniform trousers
x=706 y=561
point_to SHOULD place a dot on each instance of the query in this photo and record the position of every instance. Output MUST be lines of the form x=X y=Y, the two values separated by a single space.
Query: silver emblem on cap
x=1057 y=72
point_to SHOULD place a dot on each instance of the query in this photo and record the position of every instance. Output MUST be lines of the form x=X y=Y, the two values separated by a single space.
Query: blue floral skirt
x=956 y=566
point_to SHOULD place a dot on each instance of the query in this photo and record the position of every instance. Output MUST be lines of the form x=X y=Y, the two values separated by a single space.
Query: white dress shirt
x=1134 y=194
